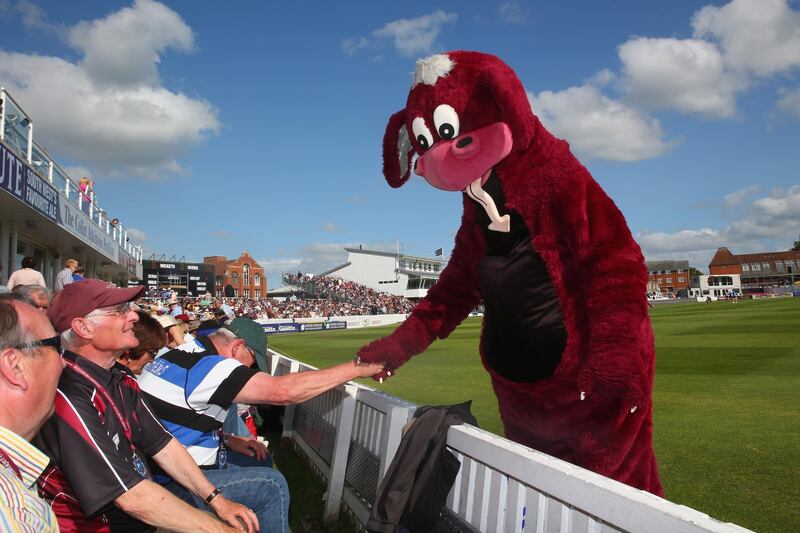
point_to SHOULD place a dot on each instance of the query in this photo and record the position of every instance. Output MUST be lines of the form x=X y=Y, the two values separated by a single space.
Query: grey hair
x=71 y=340
x=11 y=334
x=29 y=292
x=225 y=336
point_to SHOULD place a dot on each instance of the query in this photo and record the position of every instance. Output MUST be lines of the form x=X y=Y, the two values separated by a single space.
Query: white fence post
x=396 y=419
x=288 y=413
x=341 y=450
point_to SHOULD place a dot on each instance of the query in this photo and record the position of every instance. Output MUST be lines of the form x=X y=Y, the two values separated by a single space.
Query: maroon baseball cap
x=79 y=298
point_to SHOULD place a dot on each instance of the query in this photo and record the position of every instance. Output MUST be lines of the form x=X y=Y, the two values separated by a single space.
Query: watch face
x=222 y=458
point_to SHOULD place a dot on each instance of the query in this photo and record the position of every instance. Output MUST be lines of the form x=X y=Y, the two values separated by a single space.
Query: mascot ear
x=397 y=150
x=515 y=107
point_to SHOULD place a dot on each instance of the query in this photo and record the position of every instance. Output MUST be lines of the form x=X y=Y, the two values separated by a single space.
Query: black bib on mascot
x=566 y=335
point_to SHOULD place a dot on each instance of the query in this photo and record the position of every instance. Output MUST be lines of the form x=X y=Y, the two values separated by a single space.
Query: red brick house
x=244 y=275
x=669 y=276
x=759 y=270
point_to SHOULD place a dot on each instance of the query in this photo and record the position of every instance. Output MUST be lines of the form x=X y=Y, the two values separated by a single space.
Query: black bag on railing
x=415 y=487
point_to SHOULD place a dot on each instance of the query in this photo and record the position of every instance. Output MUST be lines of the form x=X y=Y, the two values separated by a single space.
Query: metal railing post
x=341 y=450
x=50 y=172
x=2 y=113
x=30 y=141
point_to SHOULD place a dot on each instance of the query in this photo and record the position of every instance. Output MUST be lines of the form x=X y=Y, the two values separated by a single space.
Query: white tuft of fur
x=430 y=69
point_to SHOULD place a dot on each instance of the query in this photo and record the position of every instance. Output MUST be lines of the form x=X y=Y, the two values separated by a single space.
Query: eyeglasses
x=50 y=342
x=118 y=310
x=252 y=354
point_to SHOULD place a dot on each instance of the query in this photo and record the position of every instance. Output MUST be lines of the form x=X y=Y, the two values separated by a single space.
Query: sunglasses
x=50 y=342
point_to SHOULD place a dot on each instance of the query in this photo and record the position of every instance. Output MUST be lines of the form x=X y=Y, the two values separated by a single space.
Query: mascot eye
x=422 y=133
x=445 y=119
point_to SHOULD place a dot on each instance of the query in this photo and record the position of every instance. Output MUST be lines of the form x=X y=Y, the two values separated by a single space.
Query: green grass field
x=727 y=409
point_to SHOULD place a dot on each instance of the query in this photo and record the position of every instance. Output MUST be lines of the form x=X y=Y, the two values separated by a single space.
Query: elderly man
x=102 y=432
x=35 y=295
x=30 y=364
x=192 y=387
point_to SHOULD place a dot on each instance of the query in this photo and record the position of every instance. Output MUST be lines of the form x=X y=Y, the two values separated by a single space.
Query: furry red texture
x=582 y=412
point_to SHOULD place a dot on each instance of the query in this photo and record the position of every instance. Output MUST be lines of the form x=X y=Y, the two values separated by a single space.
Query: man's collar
x=207 y=343
x=99 y=373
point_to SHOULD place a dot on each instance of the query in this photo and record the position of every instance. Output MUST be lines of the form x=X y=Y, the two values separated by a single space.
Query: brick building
x=244 y=276
x=759 y=270
x=669 y=276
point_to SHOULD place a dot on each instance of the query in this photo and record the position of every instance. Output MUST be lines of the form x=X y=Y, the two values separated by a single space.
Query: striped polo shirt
x=21 y=508
x=191 y=388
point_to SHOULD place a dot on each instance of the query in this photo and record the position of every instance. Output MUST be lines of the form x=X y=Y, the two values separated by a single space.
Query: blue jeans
x=246 y=481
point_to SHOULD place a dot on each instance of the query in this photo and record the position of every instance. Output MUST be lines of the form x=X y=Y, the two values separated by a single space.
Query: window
x=681 y=279
x=766 y=267
x=246 y=274
x=246 y=293
x=257 y=279
x=745 y=267
x=258 y=293
x=756 y=267
x=668 y=280
x=779 y=266
x=235 y=278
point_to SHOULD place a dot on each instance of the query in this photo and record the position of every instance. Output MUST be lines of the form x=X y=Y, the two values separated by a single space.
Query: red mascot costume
x=566 y=333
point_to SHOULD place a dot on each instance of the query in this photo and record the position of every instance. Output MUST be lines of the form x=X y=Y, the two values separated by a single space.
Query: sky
x=259 y=126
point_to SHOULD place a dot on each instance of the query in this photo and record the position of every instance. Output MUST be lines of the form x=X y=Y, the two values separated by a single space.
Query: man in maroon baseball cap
x=103 y=433
x=80 y=298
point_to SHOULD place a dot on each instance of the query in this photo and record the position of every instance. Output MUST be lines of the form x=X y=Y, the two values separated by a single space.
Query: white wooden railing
x=350 y=435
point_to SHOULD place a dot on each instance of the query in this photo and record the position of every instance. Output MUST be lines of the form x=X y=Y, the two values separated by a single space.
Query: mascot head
x=465 y=113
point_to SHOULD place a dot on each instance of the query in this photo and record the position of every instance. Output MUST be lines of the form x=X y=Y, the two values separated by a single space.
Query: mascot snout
x=452 y=165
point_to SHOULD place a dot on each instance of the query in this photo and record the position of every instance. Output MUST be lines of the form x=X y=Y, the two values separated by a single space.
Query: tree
x=694 y=273
x=796 y=247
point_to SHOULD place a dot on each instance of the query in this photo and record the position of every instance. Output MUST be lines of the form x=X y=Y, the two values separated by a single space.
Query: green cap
x=252 y=333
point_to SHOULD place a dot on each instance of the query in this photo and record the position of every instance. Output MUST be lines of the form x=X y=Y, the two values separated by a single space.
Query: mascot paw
x=386 y=350
x=380 y=377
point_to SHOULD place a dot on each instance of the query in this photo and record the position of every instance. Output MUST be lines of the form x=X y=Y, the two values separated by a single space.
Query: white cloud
x=789 y=102
x=351 y=46
x=597 y=126
x=410 y=37
x=735 y=199
x=139 y=238
x=512 y=12
x=108 y=112
x=769 y=224
x=331 y=227
x=758 y=36
x=222 y=234
x=687 y=75
x=34 y=17
x=139 y=34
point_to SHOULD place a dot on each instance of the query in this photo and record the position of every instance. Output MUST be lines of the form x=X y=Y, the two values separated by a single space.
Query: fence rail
x=350 y=435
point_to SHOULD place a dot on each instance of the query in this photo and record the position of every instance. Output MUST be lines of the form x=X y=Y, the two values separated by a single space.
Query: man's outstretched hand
x=368 y=370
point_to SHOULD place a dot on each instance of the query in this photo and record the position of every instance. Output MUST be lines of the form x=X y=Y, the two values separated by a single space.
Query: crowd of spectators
x=314 y=297
x=348 y=296
x=125 y=413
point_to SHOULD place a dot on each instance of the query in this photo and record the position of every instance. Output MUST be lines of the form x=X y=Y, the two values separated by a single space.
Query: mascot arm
x=611 y=269
x=446 y=305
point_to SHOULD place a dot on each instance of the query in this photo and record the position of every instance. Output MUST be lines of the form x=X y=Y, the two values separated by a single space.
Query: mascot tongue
x=475 y=191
